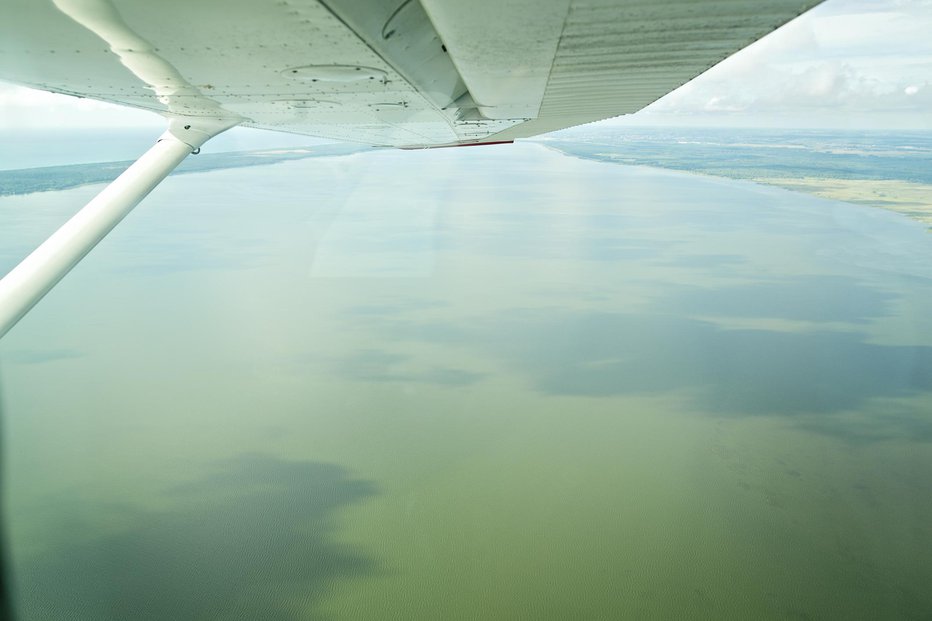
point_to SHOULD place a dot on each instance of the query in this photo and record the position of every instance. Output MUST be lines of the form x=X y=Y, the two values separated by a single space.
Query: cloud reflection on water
x=253 y=540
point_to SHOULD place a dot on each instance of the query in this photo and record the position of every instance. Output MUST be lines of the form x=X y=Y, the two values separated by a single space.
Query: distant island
x=29 y=180
x=891 y=170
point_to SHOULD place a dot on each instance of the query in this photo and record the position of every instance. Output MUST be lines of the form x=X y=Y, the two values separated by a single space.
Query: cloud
x=843 y=60
x=29 y=108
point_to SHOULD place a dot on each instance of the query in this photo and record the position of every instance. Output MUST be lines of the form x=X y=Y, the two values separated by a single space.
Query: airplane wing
x=405 y=73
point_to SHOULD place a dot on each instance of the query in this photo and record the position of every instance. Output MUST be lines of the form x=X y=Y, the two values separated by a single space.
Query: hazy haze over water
x=478 y=383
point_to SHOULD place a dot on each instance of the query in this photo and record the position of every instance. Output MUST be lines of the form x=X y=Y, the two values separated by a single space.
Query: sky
x=846 y=64
x=859 y=64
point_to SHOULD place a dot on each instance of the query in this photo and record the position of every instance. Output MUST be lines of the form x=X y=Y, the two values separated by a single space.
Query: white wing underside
x=407 y=73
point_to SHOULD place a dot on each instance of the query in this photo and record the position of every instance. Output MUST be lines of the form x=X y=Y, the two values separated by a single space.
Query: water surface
x=491 y=383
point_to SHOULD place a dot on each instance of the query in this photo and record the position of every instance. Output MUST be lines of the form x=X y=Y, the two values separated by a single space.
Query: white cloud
x=846 y=62
x=28 y=108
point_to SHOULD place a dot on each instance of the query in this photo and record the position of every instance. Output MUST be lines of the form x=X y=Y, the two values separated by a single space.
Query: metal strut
x=35 y=276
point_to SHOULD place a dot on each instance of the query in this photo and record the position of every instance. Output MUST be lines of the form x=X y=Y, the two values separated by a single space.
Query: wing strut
x=35 y=276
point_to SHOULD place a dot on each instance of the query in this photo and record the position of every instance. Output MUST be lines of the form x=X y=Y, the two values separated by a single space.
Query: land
x=905 y=197
x=29 y=180
x=887 y=170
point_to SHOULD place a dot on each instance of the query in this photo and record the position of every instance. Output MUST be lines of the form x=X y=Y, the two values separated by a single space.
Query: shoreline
x=24 y=181
x=904 y=197
x=909 y=198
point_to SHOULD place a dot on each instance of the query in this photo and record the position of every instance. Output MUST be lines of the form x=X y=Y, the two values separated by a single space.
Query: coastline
x=911 y=196
x=904 y=197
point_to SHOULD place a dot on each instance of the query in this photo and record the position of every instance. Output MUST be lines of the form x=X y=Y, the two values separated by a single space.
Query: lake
x=472 y=384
